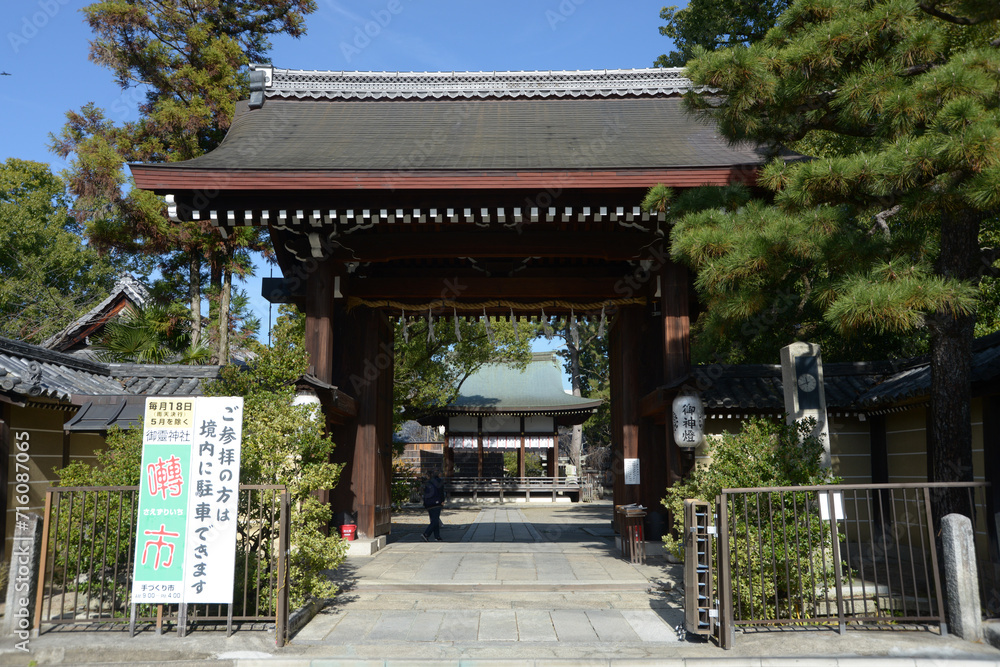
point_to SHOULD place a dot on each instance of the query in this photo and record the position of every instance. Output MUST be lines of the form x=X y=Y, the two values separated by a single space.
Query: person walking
x=433 y=501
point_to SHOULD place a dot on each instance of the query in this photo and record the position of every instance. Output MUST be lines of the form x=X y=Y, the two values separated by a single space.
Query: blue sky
x=45 y=49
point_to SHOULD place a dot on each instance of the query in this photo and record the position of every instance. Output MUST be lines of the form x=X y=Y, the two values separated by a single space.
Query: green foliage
x=118 y=464
x=285 y=444
x=282 y=444
x=770 y=538
x=188 y=64
x=532 y=464
x=429 y=370
x=50 y=275
x=405 y=482
x=715 y=24
x=107 y=519
x=863 y=248
x=585 y=360
x=147 y=335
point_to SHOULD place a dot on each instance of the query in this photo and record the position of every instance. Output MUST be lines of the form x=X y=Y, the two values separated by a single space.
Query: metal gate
x=840 y=556
x=88 y=547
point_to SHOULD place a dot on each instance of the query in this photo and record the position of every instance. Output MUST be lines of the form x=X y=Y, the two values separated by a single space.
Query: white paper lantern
x=309 y=397
x=689 y=421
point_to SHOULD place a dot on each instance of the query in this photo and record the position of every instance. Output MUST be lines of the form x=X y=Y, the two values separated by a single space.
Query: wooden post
x=623 y=349
x=676 y=350
x=520 y=454
x=319 y=321
x=447 y=459
x=675 y=311
x=364 y=368
x=480 y=449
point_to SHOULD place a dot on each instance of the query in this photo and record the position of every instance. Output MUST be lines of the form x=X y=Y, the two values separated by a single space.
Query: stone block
x=961 y=578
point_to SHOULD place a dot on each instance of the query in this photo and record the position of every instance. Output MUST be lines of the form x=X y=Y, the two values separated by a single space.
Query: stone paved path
x=513 y=575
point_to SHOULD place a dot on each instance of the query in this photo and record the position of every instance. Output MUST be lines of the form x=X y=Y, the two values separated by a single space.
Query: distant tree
x=430 y=370
x=585 y=361
x=50 y=276
x=188 y=60
x=716 y=24
x=899 y=226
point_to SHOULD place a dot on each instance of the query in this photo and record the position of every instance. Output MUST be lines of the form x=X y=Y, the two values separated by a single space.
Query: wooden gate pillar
x=319 y=321
x=623 y=352
x=363 y=367
x=675 y=310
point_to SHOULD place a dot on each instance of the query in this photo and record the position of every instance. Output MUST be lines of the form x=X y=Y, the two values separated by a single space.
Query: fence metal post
x=727 y=629
x=934 y=561
x=838 y=574
x=281 y=611
x=42 y=559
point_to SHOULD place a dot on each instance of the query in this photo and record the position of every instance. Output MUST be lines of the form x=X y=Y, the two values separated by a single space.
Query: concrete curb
x=301 y=616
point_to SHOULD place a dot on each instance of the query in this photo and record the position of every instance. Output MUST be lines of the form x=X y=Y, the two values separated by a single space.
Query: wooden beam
x=620 y=246
x=486 y=288
x=166 y=179
x=656 y=403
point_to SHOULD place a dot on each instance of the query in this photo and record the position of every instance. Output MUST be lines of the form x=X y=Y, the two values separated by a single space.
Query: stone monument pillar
x=805 y=397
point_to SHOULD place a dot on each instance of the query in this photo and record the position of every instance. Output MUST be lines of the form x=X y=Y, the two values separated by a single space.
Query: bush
x=282 y=444
x=768 y=536
x=404 y=482
x=532 y=464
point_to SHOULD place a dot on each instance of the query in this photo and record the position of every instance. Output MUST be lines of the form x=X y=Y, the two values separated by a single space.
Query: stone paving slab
x=650 y=626
x=425 y=627
x=458 y=627
x=417 y=603
x=535 y=626
x=573 y=625
x=498 y=625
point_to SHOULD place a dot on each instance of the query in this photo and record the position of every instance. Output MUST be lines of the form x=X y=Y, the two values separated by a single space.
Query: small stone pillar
x=961 y=577
x=805 y=394
x=22 y=585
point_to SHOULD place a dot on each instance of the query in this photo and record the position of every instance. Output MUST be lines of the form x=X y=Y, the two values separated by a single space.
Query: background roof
x=504 y=388
x=32 y=372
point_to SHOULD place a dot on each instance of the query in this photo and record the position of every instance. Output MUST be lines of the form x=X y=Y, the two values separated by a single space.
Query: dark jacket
x=433 y=492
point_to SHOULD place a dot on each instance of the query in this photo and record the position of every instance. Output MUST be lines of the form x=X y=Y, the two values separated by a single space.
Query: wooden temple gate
x=450 y=194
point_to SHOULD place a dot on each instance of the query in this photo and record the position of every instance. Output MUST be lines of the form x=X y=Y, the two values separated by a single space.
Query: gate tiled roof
x=355 y=121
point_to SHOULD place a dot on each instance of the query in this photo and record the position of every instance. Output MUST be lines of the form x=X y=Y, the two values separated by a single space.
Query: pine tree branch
x=945 y=16
x=881 y=223
x=919 y=69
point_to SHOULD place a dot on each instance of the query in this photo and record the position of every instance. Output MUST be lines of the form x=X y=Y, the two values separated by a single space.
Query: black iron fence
x=838 y=556
x=88 y=550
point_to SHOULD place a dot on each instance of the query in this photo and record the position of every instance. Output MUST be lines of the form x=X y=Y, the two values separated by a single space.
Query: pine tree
x=188 y=59
x=716 y=24
x=895 y=224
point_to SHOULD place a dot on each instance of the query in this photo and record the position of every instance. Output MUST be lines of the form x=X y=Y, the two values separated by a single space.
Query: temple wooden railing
x=514 y=487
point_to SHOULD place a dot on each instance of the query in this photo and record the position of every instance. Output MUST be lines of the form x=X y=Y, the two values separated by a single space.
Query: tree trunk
x=224 y=298
x=576 y=440
x=949 y=441
x=194 y=290
x=215 y=293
